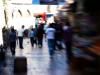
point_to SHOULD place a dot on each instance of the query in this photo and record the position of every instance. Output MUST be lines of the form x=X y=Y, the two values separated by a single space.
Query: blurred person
x=12 y=39
x=45 y=27
x=5 y=34
x=26 y=33
x=67 y=36
x=40 y=32
x=58 y=36
x=50 y=33
x=35 y=38
x=32 y=35
x=20 y=37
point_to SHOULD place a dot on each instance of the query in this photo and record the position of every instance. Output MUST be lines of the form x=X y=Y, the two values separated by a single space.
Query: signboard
x=35 y=1
x=25 y=1
x=41 y=2
x=52 y=2
x=21 y=1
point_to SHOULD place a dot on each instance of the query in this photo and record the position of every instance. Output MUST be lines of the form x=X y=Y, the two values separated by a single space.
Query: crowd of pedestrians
x=55 y=34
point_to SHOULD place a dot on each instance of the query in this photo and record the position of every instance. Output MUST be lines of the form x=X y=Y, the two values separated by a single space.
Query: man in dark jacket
x=40 y=33
x=12 y=39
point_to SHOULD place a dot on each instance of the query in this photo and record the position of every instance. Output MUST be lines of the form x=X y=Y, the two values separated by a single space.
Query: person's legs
x=11 y=46
x=69 y=51
x=21 y=42
x=60 y=44
x=51 y=46
x=32 y=40
x=40 y=42
x=13 y=49
x=35 y=41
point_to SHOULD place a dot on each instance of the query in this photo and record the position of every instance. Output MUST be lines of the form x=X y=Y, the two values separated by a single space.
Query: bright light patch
x=1 y=22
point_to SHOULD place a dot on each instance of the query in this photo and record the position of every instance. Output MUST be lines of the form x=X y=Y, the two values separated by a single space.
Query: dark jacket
x=59 y=32
x=12 y=37
x=40 y=32
x=67 y=35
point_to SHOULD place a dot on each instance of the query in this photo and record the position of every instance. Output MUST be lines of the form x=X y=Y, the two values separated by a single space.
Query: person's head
x=31 y=26
x=42 y=24
x=4 y=27
x=23 y=26
x=51 y=25
x=12 y=30
x=13 y=27
x=67 y=23
x=32 y=29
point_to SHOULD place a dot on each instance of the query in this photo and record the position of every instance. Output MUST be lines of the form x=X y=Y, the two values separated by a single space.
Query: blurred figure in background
x=58 y=36
x=5 y=34
x=25 y=33
x=40 y=32
x=12 y=39
x=20 y=37
x=67 y=35
x=45 y=27
x=32 y=35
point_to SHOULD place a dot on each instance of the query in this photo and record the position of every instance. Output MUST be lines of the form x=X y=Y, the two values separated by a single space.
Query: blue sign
x=49 y=15
x=35 y=1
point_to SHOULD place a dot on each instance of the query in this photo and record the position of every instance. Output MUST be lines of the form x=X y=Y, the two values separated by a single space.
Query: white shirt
x=45 y=27
x=20 y=32
x=50 y=33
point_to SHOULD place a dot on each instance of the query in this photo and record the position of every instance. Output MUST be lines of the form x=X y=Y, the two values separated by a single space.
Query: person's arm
x=16 y=34
x=29 y=33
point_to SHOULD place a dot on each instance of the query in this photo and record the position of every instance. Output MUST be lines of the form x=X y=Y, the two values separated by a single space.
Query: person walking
x=40 y=32
x=20 y=37
x=50 y=34
x=58 y=36
x=5 y=35
x=32 y=34
x=12 y=39
x=67 y=36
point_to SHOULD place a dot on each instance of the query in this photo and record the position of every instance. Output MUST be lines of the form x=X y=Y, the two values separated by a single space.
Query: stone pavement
x=39 y=62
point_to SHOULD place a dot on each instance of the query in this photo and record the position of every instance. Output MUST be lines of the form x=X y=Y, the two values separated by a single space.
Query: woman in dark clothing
x=67 y=35
x=12 y=39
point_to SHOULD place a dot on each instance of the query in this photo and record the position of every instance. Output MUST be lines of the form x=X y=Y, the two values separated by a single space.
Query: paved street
x=39 y=62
